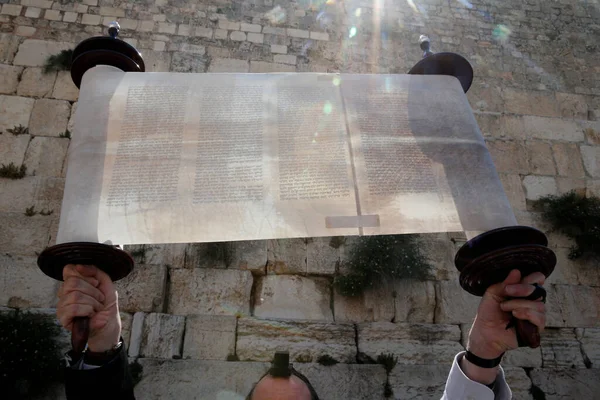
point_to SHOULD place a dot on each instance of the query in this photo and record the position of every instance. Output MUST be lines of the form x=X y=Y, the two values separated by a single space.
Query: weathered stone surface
x=248 y=255
x=34 y=52
x=411 y=343
x=9 y=78
x=293 y=297
x=192 y=379
x=360 y=382
x=12 y=149
x=49 y=117
x=209 y=291
x=162 y=336
x=64 y=88
x=440 y=252
x=573 y=272
x=540 y=158
x=519 y=383
x=257 y=340
x=590 y=344
x=591 y=160
x=126 y=321
x=209 y=337
x=572 y=306
x=278 y=49
x=188 y=62
x=513 y=187
x=15 y=190
x=419 y=382
x=454 y=304
x=22 y=235
x=24 y=285
x=532 y=103
x=567 y=384
x=321 y=257
x=228 y=65
x=372 y=305
x=266 y=67
x=15 y=111
x=561 y=349
x=287 y=256
x=552 y=129
x=508 y=156
x=37 y=157
x=539 y=186
x=572 y=105
x=71 y=123
x=143 y=289
x=136 y=334
x=568 y=160
x=35 y=83
x=415 y=301
x=157 y=61
x=523 y=357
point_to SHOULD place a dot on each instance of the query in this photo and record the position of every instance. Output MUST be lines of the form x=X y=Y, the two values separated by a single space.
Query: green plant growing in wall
x=577 y=217
x=58 y=62
x=18 y=130
x=389 y=362
x=11 y=171
x=326 y=360
x=67 y=134
x=30 y=356
x=378 y=259
x=30 y=211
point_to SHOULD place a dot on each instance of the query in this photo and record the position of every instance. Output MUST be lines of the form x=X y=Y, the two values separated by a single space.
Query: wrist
x=104 y=341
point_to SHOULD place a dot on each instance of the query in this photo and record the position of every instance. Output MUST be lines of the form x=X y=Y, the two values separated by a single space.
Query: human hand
x=89 y=292
x=489 y=337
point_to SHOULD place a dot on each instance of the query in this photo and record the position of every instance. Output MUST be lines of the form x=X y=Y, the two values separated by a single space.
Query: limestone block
x=248 y=255
x=12 y=148
x=24 y=285
x=165 y=27
x=37 y=3
x=209 y=337
x=531 y=103
x=228 y=65
x=15 y=191
x=319 y=35
x=15 y=111
x=321 y=257
x=267 y=67
x=298 y=33
x=89 y=19
x=285 y=59
x=193 y=379
x=440 y=252
x=157 y=61
x=552 y=129
x=35 y=83
x=274 y=31
x=38 y=159
x=34 y=52
x=540 y=158
x=287 y=256
x=137 y=332
x=278 y=49
x=524 y=357
x=293 y=297
x=22 y=235
x=572 y=105
x=591 y=160
x=193 y=48
x=568 y=160
x=419 y=381
x=237 y=36
x=567 y=384
x=209 y=291
x=513 y=187
x=415 y=301
x=112 y=12
x=561 y=349
x=590 y=344
x=454 y=304
x=539 y=186
x=411 y=343
x=372 y=305
x=26 y=31
x=508 y=156
x=9 y=78
x=486 y=97
x=565 y=185
x=162 y=336
x=11 y=9
x=220 y=34
x=572 y=306
x=256 y=37
x=52 y=15
x=49 y=117
x=9 y=45
x=519 y=383
x=146 y=26
x=345 y=381
x=72 y=17
x=229 y=25
x=591 y=130
x=143 y=289
x=201 y=31
x=573 y=272
x=64 y=88
x=71 y=123
x=250 y=27
x=257 y=340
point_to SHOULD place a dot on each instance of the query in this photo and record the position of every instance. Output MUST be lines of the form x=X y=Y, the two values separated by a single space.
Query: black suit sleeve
x=110 y=381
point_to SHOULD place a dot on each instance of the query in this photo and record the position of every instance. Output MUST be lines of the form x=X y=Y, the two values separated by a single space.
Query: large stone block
x=188 y=62
x=287 y=256
x=411 y=343
x=24 y=285
x=513 y=187
x=34 y=52
x=209 y=337
x=173 y=255
x=35 y=83
x=126 y=321
x=567 y=384
x=371 y=306
x=209 y=291
x=15 y=111
x=228 y=65
x=591 y=160
x=572 y=105
x=257 y=340
x=23 y=235
x=248 y=255
x=561 y=349
x=524 y=357
x=345 y=381
x=12 y=148
x=539 y=186
x=454 y=304
x=568 y=160
x=321 y=257
x=45 y=156
x=590 y=344
x=9 y=44
x=15 y=191
x=157 y=61
x=192 y=379
x=531 y=102
x=143 y=289
x=49 y=117
x=64 y=88
x=440 y=251
x=293 y=297
x=572 y=306
x=415 y=301
x=519 y=383
x=267 y=67
x=540 y=158
x=162 y=336
x=9 y=78
x=419 y=382
x=552 y=129
x=508 y=156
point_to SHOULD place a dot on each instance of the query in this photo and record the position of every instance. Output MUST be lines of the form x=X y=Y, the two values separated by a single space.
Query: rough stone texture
x=188 y=62
x=12 y=148
x=560 y=349
x=540 y=157
x=162 y=336
x=228 y=65
x=572 y=306
x=419 y=382
x=321 y=257
x=590 y=344
x=411 y=343
x=513 y=187
x=508 y=156
x=373 y=305
x=532 y=103
x=591 y=160
x=539 y=186
x=37 y=157
x=440 y=252
x=257 y=340
x=49 y=117
x=64 y=88
x=552 y=129
x=35 y=83
x=572 y=105
x=9 y=78
x=523 y=357
x=143 y=289
x=568 y=160
x=415 y=301
x=137 y=332
x=34 y=52
x=563 y=384
x=454 y=305
x=22 y=235
x=126 y=321
x=15 y=111
x=287 y=256
x=519 y=383
x=266 y=67
x=209 y=291
x=23 y=285
x=209 y=337
x=293 y=297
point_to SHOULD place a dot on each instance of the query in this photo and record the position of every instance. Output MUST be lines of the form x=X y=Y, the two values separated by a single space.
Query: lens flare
x=336 y=81
x=327 y=108
x=352 y=32
x=501 y=33
x=276 y=15
x=357 y=12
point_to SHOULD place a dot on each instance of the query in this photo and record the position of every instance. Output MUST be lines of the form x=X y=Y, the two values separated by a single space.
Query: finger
x=497 y=290
x=72 y=270
x=80 y=285
x=536 y=277
x=91 y=271
x=516 y=304
x=535 y=317
x=81 y=299
x=67 y=313
x=519 y=290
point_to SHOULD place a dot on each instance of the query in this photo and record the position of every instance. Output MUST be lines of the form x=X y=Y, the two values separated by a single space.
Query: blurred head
x=272 y=388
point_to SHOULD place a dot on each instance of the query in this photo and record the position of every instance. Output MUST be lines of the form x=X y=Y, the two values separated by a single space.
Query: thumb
x=513 y=277
x=93 y=272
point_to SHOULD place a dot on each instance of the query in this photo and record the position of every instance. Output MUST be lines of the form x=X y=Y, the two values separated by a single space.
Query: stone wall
x=536 y=97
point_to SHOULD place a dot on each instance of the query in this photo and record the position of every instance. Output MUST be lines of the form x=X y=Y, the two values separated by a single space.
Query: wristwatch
x=101 y=358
